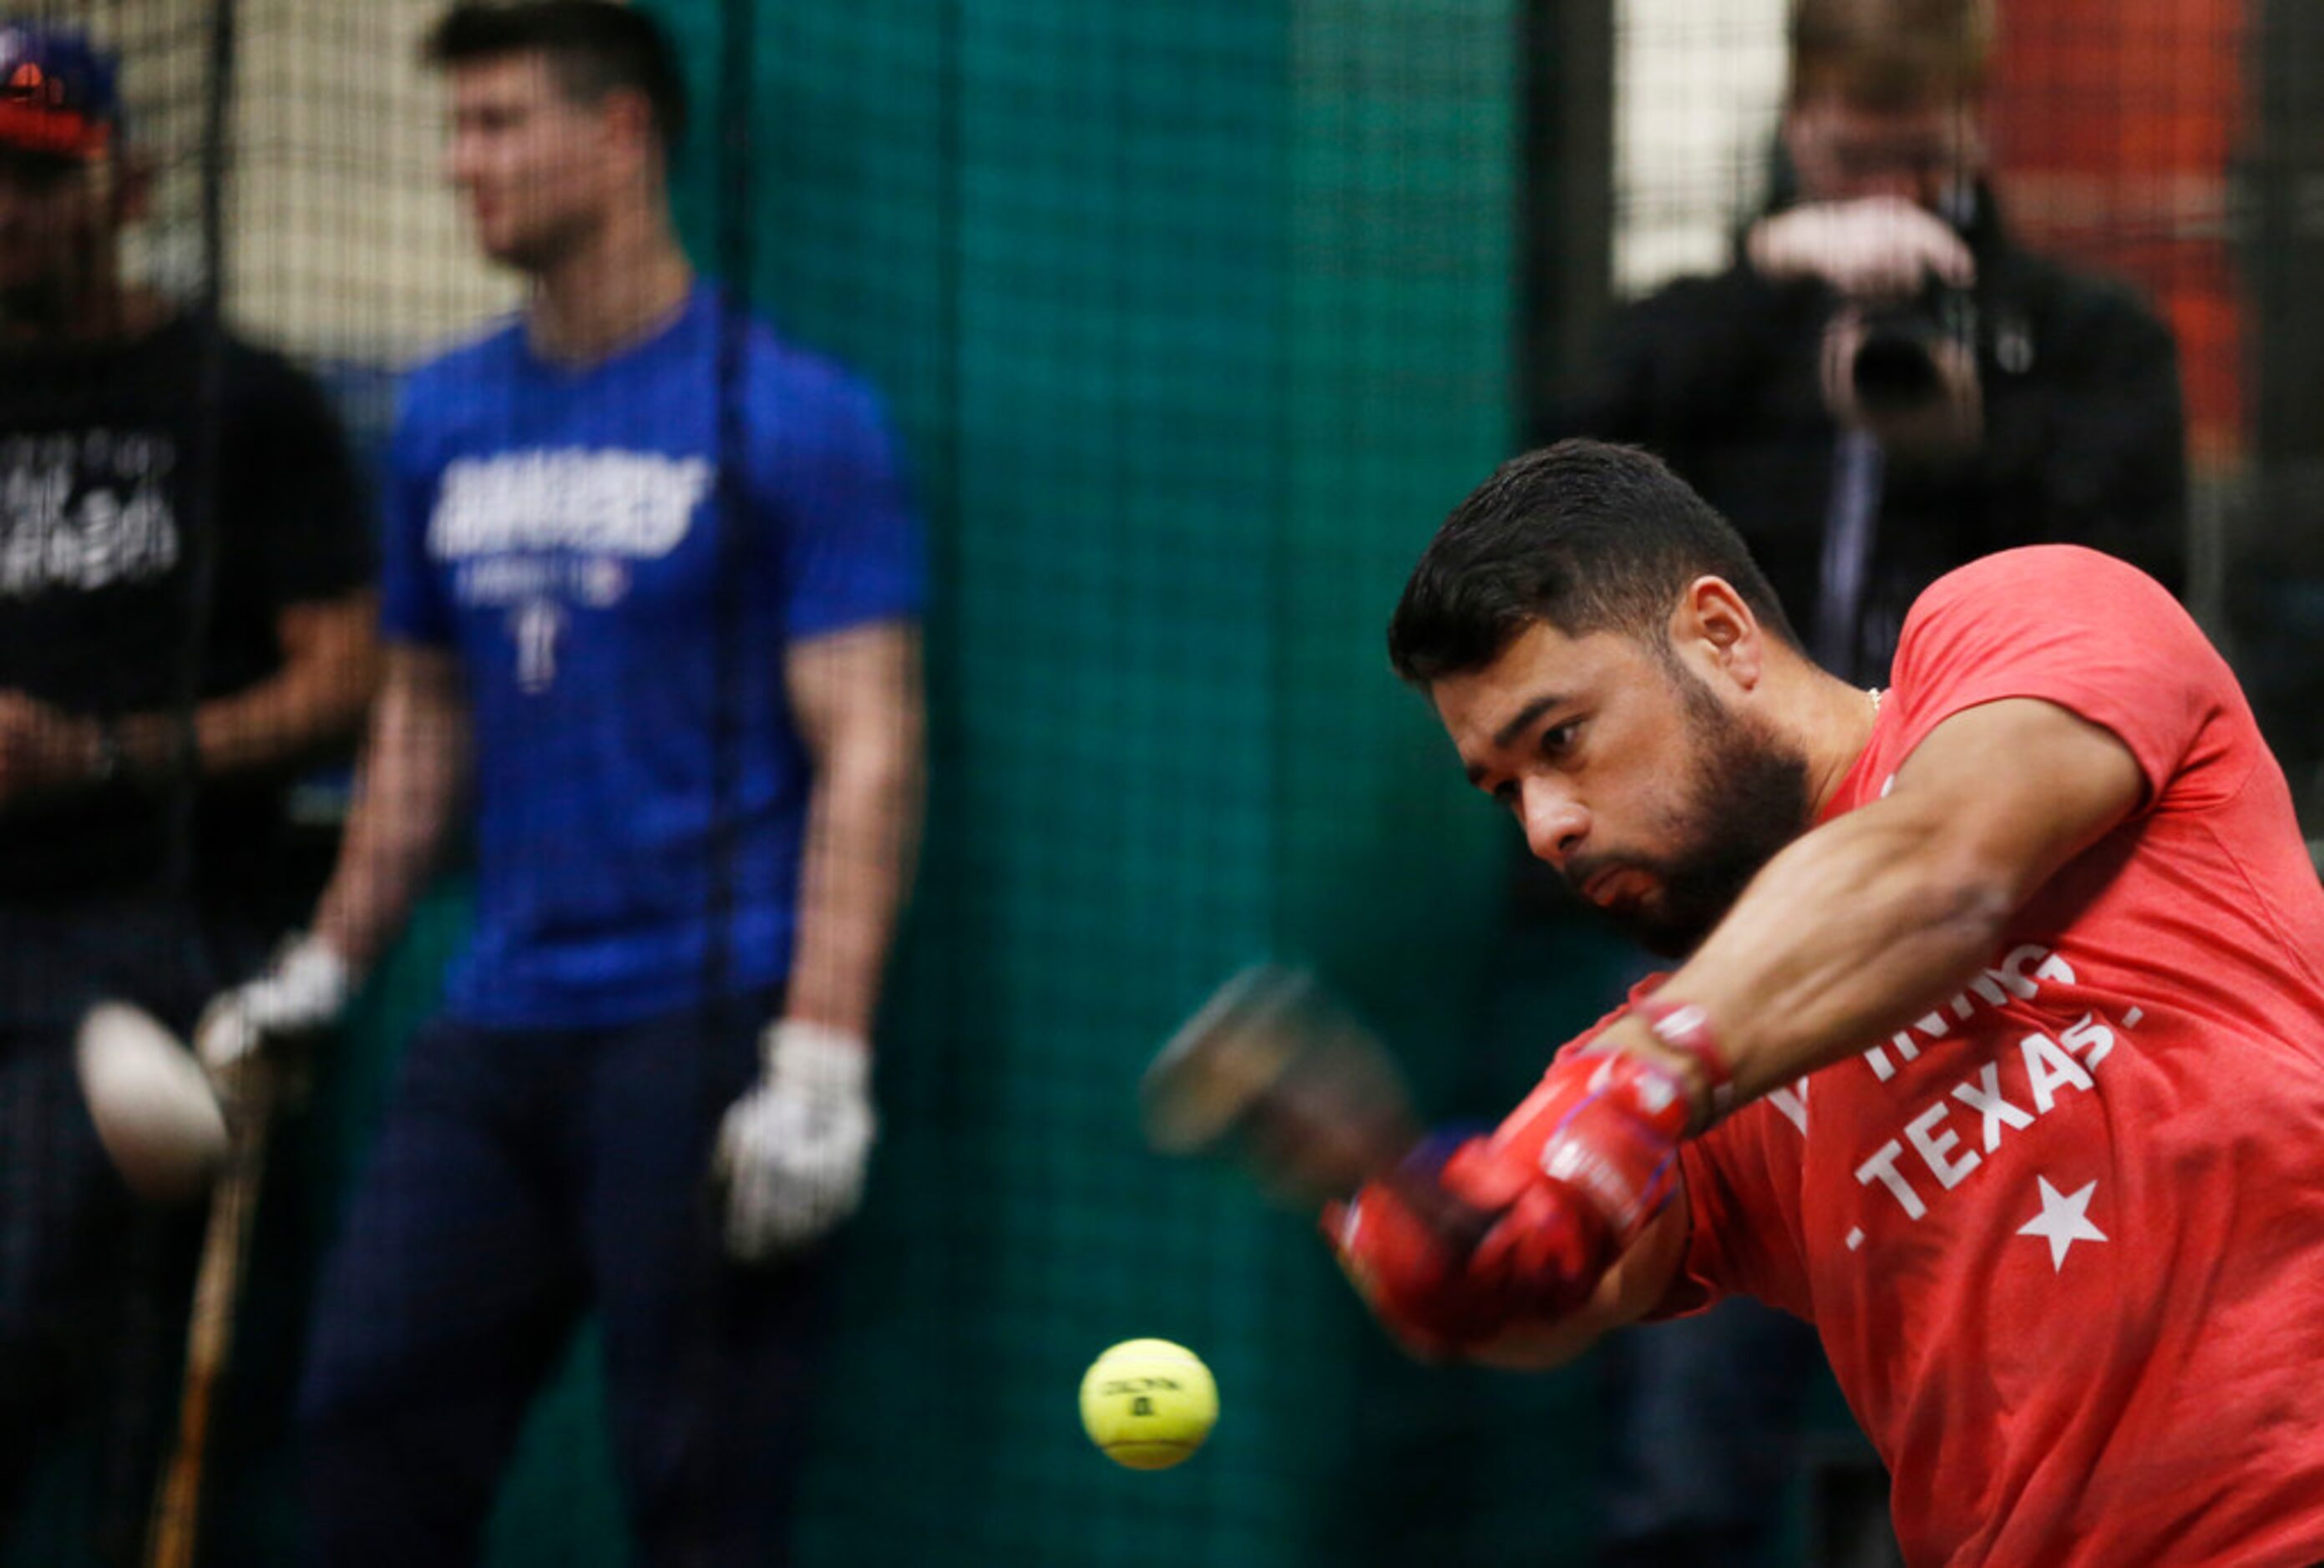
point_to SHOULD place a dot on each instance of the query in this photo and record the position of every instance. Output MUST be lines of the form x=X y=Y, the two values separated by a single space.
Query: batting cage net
x=1129 y=352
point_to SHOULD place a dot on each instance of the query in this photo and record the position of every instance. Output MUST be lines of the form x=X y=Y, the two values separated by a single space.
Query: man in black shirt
x=185 y=622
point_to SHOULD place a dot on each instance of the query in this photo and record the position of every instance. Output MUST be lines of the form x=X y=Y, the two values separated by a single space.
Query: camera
x=1895 y=371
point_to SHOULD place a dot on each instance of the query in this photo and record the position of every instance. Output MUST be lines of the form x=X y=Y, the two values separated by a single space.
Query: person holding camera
x=1882 y=386
x=1885 y=385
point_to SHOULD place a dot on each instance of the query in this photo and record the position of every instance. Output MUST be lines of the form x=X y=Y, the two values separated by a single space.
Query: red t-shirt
x=2063 y=1238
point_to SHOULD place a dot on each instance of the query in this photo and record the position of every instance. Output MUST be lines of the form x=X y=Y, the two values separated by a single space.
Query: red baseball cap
x=58 y=93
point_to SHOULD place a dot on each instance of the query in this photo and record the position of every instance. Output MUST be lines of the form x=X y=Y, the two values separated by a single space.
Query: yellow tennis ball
x=1148 y=1403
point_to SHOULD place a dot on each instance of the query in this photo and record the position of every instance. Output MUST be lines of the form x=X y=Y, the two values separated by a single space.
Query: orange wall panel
x=2114 y=125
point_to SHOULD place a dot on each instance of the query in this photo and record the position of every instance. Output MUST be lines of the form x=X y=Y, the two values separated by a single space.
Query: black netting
x=1188 y=322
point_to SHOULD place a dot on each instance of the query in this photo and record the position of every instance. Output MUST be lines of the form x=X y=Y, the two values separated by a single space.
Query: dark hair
x=594 y=46
x=1583 y=535
x=1887 y=55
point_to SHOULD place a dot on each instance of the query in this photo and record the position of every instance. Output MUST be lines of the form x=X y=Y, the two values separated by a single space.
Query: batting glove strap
x=1684 y=1028
x=816 y=1056
x=793 y=1151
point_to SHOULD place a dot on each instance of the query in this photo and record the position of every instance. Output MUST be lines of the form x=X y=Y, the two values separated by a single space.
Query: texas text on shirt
x=2061 y=1237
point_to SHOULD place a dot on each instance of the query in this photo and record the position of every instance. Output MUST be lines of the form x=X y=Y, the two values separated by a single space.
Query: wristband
x=798 y=1050
x=1684 y=1028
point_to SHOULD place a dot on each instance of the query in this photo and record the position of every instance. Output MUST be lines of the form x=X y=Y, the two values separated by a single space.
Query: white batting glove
x=303 y=991
x=1879 y=247
x=792 y=1151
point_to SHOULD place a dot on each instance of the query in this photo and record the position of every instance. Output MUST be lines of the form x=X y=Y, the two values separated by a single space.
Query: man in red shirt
x=1997 y=1047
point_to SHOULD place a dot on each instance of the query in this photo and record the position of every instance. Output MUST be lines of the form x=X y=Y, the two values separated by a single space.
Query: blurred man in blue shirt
x=651 y=592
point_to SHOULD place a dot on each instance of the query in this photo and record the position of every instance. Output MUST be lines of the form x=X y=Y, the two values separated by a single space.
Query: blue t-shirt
x=564 y=531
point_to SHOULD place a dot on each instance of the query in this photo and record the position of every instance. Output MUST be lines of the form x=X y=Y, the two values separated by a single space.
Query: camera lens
x=1895 y=372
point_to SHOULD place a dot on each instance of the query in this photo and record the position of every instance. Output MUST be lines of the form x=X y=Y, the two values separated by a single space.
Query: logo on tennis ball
x=1148 y=1404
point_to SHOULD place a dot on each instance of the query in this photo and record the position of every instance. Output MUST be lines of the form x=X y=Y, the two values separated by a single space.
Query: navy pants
x=523 y=1177
x=93 y=1285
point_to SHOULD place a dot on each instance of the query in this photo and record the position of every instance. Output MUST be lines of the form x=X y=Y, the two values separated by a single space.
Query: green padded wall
x=1195 y=319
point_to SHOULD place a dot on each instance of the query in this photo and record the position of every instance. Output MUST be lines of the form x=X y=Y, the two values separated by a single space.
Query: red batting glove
x=1413 y=1277
x=1573 y=1175
x=1549 y=1245
x=1510 y=1245
x=1565 y=1182
x=1605 y=1124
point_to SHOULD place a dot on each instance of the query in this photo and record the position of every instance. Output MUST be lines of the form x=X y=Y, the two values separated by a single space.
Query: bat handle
x=173 y=1532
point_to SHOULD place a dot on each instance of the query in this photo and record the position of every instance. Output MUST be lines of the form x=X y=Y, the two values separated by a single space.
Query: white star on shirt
x=2062 y=1221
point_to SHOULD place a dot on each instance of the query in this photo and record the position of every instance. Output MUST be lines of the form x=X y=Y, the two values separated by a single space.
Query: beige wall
x=345 y=240
x=1696 y=87
x=342 y=239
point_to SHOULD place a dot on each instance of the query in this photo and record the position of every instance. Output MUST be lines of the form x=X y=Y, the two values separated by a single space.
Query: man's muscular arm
x=856 y=695
x=792 y=1151
x=317 y=699
x=413 y=778
x=1866 y=922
